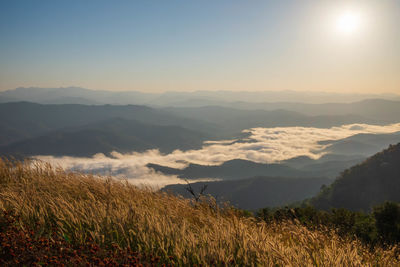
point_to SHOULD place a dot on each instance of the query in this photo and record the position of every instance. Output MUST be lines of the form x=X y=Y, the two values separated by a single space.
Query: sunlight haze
x=158 y=46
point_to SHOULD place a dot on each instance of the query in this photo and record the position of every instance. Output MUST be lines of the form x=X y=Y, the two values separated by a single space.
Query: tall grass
x=83 y=207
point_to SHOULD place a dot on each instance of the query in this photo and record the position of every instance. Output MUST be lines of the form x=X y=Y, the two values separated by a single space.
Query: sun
x=348 y=22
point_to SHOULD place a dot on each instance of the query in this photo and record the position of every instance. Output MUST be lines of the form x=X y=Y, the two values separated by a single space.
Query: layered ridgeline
x=75 y=219
x=66 y=129
x=291 y=100
x=365 y=185
x=115 y=134
x=81 y=130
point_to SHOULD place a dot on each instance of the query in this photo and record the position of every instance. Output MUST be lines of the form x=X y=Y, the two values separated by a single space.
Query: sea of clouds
x=263 y=145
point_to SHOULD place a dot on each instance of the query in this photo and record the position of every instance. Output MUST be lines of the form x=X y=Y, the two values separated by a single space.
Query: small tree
x=387 y=217
x=195 y=195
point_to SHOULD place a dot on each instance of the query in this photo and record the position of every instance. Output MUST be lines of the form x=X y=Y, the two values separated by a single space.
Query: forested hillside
x=372 y=182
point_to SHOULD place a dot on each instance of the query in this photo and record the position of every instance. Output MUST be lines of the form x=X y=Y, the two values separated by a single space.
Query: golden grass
x=110 y=211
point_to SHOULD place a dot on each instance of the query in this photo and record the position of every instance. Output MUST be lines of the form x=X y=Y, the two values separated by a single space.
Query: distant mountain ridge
x=73 y=95
x=65 y=95
x=231 y=119
x=114 y=134
x=22 y=120
x=29 y=123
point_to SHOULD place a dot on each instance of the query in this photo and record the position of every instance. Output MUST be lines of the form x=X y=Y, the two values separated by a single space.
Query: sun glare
x=348 y=22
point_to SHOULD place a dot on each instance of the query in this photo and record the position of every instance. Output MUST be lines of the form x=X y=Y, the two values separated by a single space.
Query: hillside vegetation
x=365 y=185
x=84 y=219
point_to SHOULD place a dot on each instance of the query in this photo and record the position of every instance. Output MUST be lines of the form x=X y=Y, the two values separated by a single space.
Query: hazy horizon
x=202 y=90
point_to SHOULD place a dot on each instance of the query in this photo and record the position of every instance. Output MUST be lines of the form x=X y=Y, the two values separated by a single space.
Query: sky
x=157 y=46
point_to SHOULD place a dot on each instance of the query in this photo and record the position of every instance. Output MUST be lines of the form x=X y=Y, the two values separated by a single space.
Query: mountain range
x=81 y=130
x=234 y=120
x=22 y=120
x=238 y=99
x=87 y=126
x=113 y=134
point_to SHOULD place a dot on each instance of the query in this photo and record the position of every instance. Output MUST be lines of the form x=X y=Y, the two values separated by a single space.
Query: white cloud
x=264 y=145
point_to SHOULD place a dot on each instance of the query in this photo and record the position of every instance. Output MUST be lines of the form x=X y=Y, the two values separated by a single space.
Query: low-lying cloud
x=263 y=145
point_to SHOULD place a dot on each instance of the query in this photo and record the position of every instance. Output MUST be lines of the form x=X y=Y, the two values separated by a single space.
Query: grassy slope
x=80 y=208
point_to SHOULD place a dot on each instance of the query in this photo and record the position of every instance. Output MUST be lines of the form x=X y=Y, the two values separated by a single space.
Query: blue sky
x=198 y=45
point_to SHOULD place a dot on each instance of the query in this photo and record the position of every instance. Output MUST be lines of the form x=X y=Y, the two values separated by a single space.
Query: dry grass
x=83 y=207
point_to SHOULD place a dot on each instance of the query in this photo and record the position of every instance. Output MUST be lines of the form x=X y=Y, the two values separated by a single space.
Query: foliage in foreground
x=381 y=227
x=21 y=246
x=78 y=210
